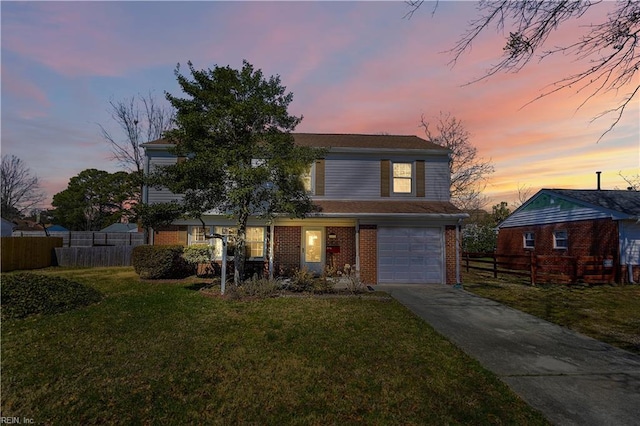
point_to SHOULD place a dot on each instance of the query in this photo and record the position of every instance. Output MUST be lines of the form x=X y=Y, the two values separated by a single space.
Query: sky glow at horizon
x=354 y=67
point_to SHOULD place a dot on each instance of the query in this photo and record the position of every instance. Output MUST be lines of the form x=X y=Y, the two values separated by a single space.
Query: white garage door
x=410 y=255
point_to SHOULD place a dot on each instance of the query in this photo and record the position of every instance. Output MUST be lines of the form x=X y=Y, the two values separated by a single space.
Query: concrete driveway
x=571 y=378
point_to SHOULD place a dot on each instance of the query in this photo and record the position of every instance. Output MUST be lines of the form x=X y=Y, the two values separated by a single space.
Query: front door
x=313 y=249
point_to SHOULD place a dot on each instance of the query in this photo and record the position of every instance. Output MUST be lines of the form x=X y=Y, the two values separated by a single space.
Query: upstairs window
x=307 y=180
x=402 y=178
x=529 y=240
x=560 y=240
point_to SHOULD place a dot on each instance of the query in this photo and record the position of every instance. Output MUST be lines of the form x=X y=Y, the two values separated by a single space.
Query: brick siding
x=172 y=234
x=286 y=249
x=585 y=238
x=369 y=254
x=346 y=240
x=450 y=255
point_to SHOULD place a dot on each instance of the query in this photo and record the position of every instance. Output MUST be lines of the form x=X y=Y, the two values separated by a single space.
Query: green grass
x=160 y=352
x=608 y=313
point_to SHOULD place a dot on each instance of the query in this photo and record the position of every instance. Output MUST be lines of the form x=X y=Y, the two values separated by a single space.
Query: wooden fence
x=28 y=253
x=94 y=256
x=545 y=269
x=88 y=238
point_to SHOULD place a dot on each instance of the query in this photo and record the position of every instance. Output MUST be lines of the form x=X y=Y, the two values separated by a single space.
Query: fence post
x=495 y=265
x=532 y=266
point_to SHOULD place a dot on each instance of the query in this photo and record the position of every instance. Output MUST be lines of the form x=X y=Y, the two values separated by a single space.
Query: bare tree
x=21 y=190
x=469 y=172
x=610 y=47
x=524 y=193
x=633 y=181
x=141 y=120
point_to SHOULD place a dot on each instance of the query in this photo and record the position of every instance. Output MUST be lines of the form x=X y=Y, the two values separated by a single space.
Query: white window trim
x=312 y=177
x=565 y=239
x=412 y=193
x=524 y=240
x=219 y=229
x=193 y=241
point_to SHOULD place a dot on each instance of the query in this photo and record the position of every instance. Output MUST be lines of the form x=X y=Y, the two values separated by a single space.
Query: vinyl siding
x=162 y=195
x=347 y=177
x=352 y=178
x=361 y=179
x=437 y=179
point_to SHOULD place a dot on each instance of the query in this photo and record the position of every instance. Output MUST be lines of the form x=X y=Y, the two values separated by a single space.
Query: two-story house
x=385 y=210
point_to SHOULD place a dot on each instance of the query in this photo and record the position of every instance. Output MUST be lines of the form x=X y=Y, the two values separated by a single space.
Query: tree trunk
x=240 y=253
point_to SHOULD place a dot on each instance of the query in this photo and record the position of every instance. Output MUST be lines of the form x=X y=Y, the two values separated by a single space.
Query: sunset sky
x=354 y=67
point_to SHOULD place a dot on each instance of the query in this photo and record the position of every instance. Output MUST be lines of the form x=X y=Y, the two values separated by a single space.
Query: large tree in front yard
x=233 y=132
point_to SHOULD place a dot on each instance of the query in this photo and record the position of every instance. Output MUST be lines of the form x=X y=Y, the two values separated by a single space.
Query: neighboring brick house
x=578 y=223
x=385 y=210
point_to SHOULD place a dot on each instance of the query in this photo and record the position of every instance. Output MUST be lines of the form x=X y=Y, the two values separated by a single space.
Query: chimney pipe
x=598 y=174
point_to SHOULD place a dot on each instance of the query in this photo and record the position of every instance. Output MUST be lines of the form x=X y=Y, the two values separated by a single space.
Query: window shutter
x=385 y=178
x=319 y=187
x=420 y=172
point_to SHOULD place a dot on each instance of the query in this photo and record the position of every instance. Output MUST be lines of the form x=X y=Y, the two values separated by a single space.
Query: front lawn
x=160 y=352
x=608 y=313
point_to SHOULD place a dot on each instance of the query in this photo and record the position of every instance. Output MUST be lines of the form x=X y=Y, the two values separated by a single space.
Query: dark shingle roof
x=627 y=202
x=391 y=206
x=329 y=140
x=336 y=140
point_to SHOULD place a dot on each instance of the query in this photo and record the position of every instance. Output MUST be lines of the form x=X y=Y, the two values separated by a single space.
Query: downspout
x=458 y=276
x=358 y=246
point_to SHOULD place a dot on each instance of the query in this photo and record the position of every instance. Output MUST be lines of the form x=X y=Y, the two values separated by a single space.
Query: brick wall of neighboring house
x=450 y=255
x=369 y=254
x=346 y=240
x=286 y=249
x=172 y=234
x=585 y=238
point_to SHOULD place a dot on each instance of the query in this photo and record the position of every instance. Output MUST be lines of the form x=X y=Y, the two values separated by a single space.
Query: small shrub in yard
x=198 y=253
x=354 y=285
x=327 y=281
x=160 y=262
x=255 y=287
x=302 y=280
x=30 y=294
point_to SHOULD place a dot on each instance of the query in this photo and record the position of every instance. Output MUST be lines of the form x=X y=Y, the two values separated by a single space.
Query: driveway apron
x=571 y=378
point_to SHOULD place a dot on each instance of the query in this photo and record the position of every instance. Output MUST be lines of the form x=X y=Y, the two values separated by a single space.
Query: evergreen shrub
x=161 y=262
x=27 y=294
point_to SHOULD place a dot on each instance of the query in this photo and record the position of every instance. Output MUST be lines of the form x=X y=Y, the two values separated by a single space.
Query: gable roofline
x=616 y=204
x=346 y=142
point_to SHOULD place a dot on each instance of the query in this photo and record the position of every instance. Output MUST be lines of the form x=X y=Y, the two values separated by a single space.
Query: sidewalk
x=571 y=378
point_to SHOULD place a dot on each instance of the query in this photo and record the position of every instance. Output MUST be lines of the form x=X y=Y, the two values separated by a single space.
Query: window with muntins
x=197 y=235
x=254 y=241
x=402 y=178
x=529 y=240
x=560 y=240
